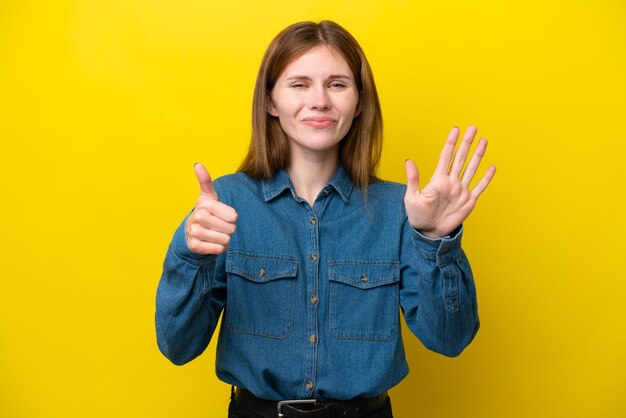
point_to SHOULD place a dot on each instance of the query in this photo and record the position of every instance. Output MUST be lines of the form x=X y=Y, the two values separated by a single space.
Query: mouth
x=318 y=122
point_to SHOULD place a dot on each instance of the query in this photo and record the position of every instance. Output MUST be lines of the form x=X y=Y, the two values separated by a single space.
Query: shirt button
x=261 y=272
x=314 y=257
x=313 y=338
x=313 y=299
x=309 y=385
x=313 y=221
x=364 y=278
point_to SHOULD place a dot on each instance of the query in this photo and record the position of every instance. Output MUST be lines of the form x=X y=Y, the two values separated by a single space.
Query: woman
x=309 y=257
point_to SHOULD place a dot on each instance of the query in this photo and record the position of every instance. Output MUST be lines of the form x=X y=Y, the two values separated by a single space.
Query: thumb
x=204 y=178
x=412 y=178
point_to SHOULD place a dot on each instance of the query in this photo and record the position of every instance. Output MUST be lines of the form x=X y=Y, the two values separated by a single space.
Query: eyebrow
x=331 y=77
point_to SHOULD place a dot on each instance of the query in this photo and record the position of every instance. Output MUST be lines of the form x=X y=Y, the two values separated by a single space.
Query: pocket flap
x=261 y=268
x=363 y=274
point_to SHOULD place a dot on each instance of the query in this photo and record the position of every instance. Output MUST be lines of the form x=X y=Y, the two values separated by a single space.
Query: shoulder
x=384 y=197
x=383 y=189
x=229 y=186
x=234 y=179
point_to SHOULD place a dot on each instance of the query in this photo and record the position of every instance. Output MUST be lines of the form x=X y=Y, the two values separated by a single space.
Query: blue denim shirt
x=311 y=296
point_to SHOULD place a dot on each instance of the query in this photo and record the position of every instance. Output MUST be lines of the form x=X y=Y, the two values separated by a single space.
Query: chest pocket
x=364 y=300
x=261 y=294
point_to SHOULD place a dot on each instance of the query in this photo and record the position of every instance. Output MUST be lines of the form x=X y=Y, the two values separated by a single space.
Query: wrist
x=433 y=234
x=437 y=233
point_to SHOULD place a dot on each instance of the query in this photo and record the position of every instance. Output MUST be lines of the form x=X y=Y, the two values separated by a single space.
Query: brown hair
x=360 y=149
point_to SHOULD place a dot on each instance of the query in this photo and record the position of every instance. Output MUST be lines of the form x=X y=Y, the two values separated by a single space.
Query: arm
x=437 y=293
x=192 y=290
x=190 y=298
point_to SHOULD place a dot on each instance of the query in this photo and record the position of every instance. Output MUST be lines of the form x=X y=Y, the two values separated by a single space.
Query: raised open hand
x=212 y=222
x=446 y=201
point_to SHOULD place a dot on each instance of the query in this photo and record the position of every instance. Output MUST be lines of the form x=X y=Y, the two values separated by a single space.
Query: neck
x=309 y=174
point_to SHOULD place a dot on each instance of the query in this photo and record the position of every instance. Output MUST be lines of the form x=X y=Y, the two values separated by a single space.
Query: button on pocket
x=260 y=294
x=364 y=299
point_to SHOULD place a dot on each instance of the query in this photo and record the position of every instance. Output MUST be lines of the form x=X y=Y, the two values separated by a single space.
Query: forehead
x=319 y=60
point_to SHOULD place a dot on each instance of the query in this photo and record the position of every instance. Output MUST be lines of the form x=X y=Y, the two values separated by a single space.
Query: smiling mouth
x=318 y=123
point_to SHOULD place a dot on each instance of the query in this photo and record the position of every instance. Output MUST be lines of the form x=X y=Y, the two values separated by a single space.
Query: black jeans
x=236 y=410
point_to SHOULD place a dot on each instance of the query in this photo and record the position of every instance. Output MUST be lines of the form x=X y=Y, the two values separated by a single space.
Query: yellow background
x=106 y=105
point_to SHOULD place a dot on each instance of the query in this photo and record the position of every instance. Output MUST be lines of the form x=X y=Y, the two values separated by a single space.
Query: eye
x=298 y=85
x=337 y=85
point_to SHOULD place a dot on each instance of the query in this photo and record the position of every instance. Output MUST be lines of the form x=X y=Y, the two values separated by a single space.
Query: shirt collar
x=273 y=187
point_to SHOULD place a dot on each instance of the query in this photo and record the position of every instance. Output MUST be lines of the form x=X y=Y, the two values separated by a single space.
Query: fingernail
x=196 y=163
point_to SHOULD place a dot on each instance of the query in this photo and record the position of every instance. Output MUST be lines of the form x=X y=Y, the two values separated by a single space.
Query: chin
x=323 y=146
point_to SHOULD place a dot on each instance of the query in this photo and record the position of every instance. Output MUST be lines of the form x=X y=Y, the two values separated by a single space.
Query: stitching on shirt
x=360 y=336
x=390 y=268
x=262 y=255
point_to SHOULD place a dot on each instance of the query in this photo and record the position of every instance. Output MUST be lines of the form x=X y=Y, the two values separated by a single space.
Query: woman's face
x=315 y=98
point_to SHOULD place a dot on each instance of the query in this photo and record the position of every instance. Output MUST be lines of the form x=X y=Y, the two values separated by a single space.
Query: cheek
x=349 y=113
x=286 y=102
x=351 y=105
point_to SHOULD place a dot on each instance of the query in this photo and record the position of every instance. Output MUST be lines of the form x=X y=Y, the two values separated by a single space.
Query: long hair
x=360 y=149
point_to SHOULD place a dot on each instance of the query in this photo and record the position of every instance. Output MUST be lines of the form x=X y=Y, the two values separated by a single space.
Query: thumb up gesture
x=211 y=223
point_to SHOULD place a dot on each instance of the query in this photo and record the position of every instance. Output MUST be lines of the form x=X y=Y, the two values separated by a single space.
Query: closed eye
x=338 y=85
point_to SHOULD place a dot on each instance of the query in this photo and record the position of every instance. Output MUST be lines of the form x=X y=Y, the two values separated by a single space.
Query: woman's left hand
x=444 y=203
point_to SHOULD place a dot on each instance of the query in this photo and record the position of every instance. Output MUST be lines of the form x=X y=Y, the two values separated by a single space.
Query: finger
x=218 y=209
x=472 y=167
x=205 y=235
x=412 y=178
x=484 y=182
x=201 y=247
x=213 y=223
x=447 y=152
x=461 y=153
x=204 y=179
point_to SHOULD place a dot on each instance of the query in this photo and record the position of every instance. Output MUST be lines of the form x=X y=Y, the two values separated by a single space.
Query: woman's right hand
x=212 y=222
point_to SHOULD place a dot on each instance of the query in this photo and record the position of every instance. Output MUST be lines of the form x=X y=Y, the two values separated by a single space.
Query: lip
x=318 y=121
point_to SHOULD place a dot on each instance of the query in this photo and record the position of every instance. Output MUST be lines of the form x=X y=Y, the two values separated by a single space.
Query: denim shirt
x=311 y=296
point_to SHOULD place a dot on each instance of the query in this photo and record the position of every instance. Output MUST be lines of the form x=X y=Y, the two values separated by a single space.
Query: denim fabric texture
x=311 y=297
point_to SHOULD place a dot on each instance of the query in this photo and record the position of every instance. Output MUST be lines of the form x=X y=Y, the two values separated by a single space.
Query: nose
x=319 y=99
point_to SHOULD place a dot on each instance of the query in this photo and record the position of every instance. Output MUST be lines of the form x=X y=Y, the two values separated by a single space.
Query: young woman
x=309 y=257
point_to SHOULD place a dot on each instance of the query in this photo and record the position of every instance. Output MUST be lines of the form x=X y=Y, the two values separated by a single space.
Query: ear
x=271 y=108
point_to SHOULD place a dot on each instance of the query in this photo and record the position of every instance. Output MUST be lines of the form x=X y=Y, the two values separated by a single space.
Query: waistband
x=310 y=408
